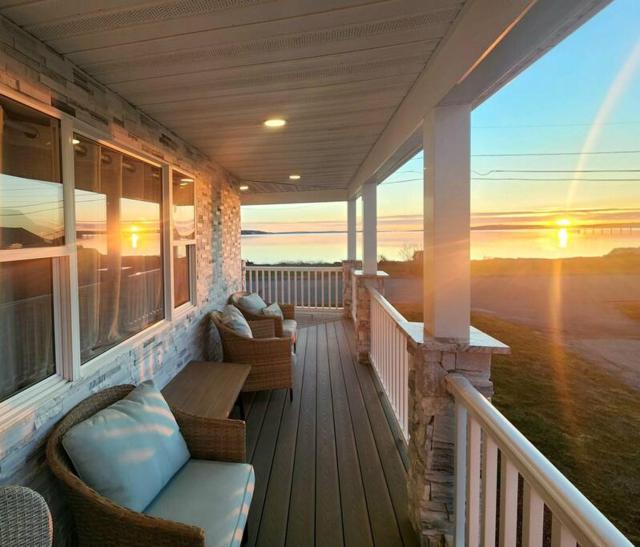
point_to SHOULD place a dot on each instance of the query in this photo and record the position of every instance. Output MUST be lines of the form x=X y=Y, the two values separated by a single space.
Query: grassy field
x=583 y=419
x=616 y=263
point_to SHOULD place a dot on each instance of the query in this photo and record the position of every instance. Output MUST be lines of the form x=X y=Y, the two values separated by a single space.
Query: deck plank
x=390 y=456
x=328 y=506
x=301 y=525
x=263 y=458
x=381 y=512
x=327 y=469
x=357 y=529
x=273 y=525
x=255 y=420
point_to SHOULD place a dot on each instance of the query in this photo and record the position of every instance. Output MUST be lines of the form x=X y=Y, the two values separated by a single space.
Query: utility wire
x=525 y=154
x=486 y=173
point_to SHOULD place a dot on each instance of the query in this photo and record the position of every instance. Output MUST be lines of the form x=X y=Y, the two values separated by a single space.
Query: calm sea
x=398 y=245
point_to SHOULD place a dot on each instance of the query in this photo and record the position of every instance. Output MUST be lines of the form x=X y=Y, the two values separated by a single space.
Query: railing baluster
x=489 y=486
x=508 y=502
x=322 y=287
x=561 y=536
x=473 y=483
x=532 y=517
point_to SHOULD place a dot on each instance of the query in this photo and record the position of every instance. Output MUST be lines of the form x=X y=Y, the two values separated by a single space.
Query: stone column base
x=362 y=303
x=348 y=266
x=432 y=430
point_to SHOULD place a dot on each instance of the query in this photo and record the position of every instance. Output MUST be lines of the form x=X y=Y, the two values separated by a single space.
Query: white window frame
x=177 y=312
x=16 y=408
x=109 y=356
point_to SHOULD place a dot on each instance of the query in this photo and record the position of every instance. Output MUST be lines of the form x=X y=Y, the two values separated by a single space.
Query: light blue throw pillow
x=252 y=303
x=130 y=450
x=232 y=317
x=273 y=311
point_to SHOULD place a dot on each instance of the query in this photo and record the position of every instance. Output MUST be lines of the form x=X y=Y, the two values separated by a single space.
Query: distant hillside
x=253 y=232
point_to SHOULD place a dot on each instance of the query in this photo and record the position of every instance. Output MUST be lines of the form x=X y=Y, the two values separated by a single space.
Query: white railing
x=483 y=433
x=305 y=287
x=390 y=357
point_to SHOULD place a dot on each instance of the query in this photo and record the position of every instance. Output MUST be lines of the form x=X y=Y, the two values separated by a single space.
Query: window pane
x=118 y=220
x=184 y=225
x=26 y=324
x=31 y=212
x=181 y=266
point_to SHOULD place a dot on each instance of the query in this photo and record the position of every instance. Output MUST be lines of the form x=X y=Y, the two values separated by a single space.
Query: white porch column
x=369 y=229
x=447 y=292
x=351 y=229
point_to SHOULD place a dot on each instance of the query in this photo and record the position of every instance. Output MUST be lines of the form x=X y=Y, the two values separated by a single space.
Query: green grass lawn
x=582 y=418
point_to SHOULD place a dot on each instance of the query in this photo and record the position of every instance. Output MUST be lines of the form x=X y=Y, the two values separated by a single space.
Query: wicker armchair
x=270 y=357
x=280 y=325
x=25 y=520
x=99 y=521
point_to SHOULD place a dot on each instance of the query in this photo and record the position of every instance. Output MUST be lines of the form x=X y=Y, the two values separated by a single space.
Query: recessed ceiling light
x=75 y=141
x=294 y=177
x=244 y=188
x=275 y=122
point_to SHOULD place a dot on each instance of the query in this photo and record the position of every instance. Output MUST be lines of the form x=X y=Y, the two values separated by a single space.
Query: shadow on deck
x=328 y=472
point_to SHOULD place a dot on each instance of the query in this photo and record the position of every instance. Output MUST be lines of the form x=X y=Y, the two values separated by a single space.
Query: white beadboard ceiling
x=214 y=70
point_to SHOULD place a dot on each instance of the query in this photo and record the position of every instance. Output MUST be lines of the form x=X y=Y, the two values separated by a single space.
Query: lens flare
x=614 y=93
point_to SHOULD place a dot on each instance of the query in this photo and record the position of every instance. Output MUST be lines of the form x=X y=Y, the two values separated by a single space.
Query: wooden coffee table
x=207 y=389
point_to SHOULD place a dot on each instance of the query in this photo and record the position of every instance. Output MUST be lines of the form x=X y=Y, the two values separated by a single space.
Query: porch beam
x=370 y=229
x=274 y=198
x=351 y=229
x=491 y=43
x=447 y=298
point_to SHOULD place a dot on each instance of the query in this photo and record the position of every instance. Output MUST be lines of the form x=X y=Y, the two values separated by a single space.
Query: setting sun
x=563 y=222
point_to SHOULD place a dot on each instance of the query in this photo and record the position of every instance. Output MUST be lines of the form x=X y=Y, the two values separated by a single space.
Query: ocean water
x=399 y=245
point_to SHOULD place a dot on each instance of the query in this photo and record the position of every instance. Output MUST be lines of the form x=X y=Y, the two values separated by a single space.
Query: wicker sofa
x=286 y=327
x=99 y=521
x=270 y=357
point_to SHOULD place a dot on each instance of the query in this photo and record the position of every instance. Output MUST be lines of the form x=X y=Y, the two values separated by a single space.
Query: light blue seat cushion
x=130 y=450
x=214 y=496
x=232 y=317
x=273 y=310
x=252 y=303
x=289 y=328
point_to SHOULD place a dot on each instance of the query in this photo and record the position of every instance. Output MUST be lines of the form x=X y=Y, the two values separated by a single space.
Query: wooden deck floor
x=328 y=472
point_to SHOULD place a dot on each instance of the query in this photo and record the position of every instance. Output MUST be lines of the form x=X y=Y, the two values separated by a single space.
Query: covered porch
x=390 y=438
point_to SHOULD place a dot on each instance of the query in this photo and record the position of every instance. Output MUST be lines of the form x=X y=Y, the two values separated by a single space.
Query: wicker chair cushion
x=214 y=343
x=130 y=450
x=252 y=303
x=289 y=328
x=214 y=496
x=273 y=311
x=232 y=317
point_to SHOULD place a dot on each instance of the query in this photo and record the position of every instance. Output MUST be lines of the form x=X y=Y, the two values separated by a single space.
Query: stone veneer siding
x=348 y=266
x=432 y=430
x=34 y=70
x=362 y=308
